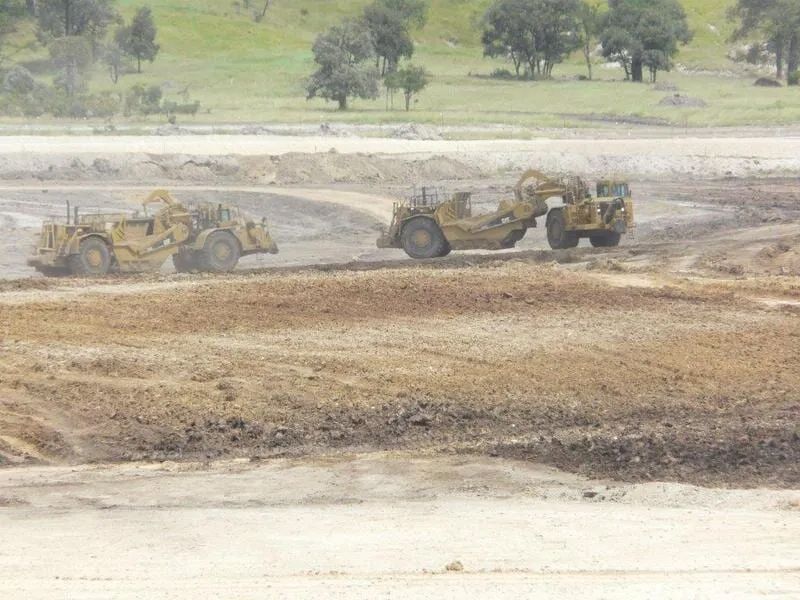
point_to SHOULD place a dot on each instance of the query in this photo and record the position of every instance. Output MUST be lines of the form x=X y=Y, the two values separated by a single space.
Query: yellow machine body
x=427 y=228
x=203 y=237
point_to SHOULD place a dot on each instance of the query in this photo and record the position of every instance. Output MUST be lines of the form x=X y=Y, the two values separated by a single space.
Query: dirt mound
x=332 y=167
x=681 y=101
x=133 y=167
x=780 y=258
x=331 y=130
x=172 y=130
x=415 y=131
x=319 y=168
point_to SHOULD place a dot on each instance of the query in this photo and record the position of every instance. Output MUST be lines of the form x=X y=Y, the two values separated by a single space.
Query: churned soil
x=516 y=358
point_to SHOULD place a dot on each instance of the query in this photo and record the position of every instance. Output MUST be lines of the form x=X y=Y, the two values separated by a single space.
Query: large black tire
x=606 y=239
x=557 y=235
x=93 y=258
x=422 y=238
x=185 y=262
x=220 y=253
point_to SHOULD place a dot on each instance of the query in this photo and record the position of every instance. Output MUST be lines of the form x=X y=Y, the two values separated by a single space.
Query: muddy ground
x=672 y=357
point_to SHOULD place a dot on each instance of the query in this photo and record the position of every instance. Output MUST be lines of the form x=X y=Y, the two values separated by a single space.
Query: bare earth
x=347 y=422
x=385 y=526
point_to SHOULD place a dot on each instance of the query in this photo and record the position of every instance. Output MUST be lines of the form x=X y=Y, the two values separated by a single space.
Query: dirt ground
x=336 y=384
x=671 y=357
x=385 y=525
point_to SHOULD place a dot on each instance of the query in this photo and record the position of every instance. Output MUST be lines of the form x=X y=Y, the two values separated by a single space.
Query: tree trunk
x=266 y=8
x=587 y=54
x=67 y=19
x=637 y=70
x=408 y=101
x=138 y=64
x=342 y=102
x=793 y=60
x=517 y=63
x=779 y=48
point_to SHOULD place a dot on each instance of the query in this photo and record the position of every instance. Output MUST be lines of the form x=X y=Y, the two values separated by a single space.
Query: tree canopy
x=344 y=54
x=390 y=36
x=88 y=18
x=643 y=34
x=390 y=23
x=72 y=57
x=777 y=24
x=11 y=11
x=414 y=13
x=139 y=38
x=534 y=35
x=411 y=79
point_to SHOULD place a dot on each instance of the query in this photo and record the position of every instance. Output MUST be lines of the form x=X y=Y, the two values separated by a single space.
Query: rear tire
x=93 y=258
x=557 y=235
x=220 y=254
x=422 y=238
x=607 y=239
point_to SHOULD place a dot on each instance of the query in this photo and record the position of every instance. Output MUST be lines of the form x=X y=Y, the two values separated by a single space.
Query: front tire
x=220 y=253
x=53 y=271
x=422 y=238
x=557 y=235
x=607 y=239
x=184 y=262
x=93 y=258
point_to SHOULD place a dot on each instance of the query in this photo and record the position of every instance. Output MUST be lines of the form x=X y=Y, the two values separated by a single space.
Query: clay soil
x=673 y=357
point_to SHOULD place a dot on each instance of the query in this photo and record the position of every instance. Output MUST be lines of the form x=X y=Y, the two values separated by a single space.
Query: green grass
x=245 y=71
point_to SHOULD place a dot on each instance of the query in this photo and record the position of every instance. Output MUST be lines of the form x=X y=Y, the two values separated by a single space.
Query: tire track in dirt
x=509 y=358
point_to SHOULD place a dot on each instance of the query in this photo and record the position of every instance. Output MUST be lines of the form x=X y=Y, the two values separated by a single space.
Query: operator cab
x=613 y=189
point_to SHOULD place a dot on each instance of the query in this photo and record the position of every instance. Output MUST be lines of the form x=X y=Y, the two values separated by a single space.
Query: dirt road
x=388 y=526
x=773 y=147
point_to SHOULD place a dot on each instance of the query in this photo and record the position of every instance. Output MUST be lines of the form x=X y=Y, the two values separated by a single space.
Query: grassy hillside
x=241 y=70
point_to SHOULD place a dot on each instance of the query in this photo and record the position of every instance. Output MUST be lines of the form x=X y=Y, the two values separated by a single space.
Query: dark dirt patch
x=714 y=450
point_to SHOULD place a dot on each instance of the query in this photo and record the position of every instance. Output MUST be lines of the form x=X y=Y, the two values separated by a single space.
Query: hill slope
x=241 y=70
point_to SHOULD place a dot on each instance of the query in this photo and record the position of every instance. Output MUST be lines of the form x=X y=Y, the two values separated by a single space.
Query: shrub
x=794 y=78
x=24 y=96
x=502 y=74
x=175 y=108
x=104 y=105
x=18 y=81
x=141 y=100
